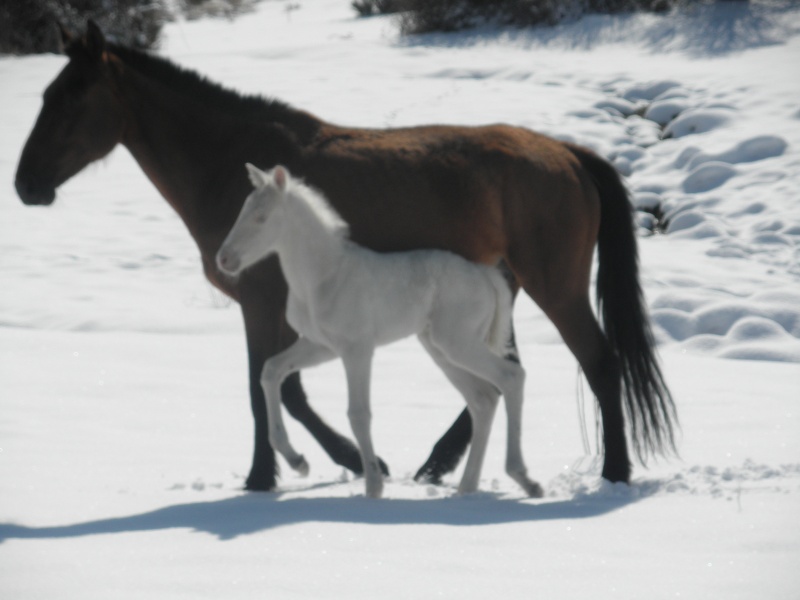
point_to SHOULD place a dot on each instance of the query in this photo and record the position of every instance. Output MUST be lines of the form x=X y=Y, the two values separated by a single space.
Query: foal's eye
x=261 y=219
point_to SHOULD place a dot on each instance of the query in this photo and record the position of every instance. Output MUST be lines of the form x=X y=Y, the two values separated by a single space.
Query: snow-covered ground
x=125 y=429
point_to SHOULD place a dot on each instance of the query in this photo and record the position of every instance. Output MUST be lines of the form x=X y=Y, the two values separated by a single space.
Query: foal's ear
x=257 y=177
x=281 y=177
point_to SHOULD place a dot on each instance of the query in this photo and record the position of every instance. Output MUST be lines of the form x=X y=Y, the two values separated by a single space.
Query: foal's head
x=81 y=120
x=256 y=230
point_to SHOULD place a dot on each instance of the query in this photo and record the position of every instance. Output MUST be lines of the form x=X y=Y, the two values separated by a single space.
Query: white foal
x=345 y=300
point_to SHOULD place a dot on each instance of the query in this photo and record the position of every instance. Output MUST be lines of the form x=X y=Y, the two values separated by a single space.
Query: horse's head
x=254 y=234
x=81 y=120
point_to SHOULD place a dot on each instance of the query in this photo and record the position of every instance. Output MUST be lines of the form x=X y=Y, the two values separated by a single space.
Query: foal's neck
x=309 y=250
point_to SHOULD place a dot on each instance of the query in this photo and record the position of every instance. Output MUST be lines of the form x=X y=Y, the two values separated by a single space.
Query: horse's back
x=462 y=189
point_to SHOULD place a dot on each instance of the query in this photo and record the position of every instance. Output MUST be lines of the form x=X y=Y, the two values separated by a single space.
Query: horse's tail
x=499 y=336
x=620 y=304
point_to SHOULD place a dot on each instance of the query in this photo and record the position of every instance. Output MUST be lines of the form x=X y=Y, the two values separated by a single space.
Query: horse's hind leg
x=582 y=334
x=300 y=355
x=358 y=368
x=447 y=452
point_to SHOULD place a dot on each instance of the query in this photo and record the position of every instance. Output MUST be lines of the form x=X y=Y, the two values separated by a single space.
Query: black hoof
x=617 y=473
x=260 y=483
x=431 y=472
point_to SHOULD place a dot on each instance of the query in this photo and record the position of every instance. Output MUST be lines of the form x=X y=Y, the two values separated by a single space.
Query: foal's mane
x=318 y=205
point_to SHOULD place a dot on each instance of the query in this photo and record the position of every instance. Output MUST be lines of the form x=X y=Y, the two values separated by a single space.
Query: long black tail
x=624 y=319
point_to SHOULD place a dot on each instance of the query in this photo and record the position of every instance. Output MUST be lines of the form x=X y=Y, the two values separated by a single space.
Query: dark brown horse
x=491 y=194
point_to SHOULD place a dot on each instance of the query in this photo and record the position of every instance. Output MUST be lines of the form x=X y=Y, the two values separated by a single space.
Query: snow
x=125 y=430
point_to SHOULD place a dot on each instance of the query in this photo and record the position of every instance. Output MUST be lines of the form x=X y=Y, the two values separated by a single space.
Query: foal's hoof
x=375 y=489
x=533 y=489
x=350 y=458
x=300 y=465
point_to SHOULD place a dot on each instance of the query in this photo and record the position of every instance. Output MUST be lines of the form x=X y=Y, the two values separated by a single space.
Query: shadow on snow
x=251 y=513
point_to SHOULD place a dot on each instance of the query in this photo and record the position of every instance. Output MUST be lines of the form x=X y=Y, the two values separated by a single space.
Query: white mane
x=319 y=206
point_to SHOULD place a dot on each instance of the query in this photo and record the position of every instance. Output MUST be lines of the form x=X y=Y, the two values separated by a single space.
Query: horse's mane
x=318 y=205
x=200 y=89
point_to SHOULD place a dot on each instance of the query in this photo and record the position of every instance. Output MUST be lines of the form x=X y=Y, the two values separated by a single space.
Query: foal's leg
x=509 y=377
x=263 y=303
x=302 y=354
x=447 y=452
x=481 y=398
x=358 y=367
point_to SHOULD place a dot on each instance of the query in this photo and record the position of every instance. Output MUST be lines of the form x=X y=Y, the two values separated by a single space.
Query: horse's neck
x=193 y=155
x=159 y=138
x=308 y=251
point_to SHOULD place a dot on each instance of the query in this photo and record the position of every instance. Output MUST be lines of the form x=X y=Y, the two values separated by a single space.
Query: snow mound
x=707 y=177
x=763 y=326
x=665 y=110
x=697 y=120
x=750 y=150
x=726 y=483
x=710 y=170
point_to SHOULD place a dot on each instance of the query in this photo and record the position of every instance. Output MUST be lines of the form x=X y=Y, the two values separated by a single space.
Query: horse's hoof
x=533 y=489
x=429 y=473
x=375 y=491
x=617 y=473
x=465 y=489
x=260 y=484
x=300 y=465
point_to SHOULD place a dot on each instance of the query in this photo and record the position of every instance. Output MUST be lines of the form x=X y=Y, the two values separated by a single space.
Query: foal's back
x=387 y=297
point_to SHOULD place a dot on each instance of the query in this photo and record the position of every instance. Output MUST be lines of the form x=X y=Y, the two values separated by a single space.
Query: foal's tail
x=620 y=304
x=500 y=331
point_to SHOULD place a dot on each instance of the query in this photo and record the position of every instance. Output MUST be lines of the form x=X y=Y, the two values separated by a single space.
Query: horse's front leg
x=358 y=367
x=262 y=323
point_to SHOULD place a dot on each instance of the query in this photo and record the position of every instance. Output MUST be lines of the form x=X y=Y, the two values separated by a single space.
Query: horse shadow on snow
x=247 y=514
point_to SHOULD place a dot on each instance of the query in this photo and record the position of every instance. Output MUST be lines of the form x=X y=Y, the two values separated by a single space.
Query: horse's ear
x=64 y=37
x=281 y=177
x=257 y=177
x=95 y=40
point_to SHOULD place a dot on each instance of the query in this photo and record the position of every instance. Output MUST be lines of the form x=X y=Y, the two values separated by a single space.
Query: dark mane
x=200 y=89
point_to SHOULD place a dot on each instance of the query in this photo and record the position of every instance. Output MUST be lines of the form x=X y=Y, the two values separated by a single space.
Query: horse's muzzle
x=35 y=194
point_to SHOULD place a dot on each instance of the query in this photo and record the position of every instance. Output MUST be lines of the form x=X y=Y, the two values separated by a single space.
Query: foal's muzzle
x=228 y=263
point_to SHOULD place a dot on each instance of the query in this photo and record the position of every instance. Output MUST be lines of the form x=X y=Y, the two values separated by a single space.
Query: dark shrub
x=367 y=8
x=30 y=26
x=423 y=16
